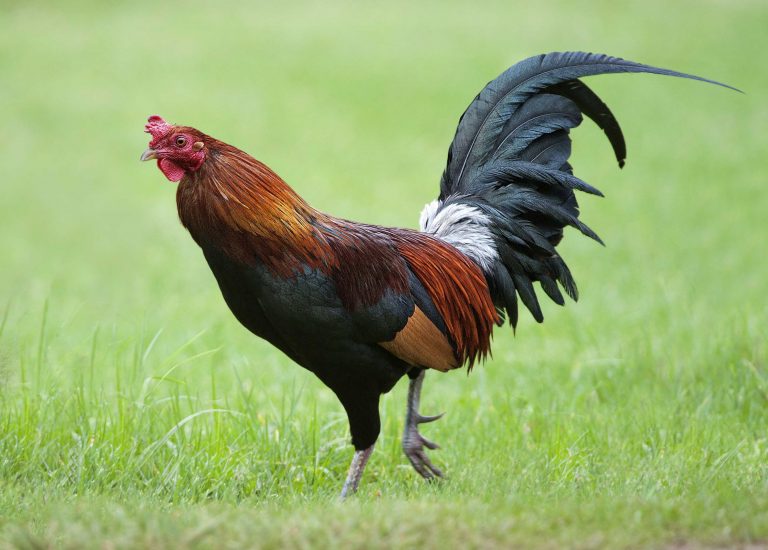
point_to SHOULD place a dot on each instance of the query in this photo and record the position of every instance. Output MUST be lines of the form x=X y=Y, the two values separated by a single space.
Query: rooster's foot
x=415 y=444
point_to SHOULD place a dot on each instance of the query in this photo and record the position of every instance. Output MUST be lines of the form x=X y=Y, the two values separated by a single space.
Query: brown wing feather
x=421 y=344
x=459 y=291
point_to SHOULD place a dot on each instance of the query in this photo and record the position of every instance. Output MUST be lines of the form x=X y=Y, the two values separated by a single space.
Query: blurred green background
x=637 y=416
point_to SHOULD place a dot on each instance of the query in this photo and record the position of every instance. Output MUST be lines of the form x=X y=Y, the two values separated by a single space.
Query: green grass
x=134 y=410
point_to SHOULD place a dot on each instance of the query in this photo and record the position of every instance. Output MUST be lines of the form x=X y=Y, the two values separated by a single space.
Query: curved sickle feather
x=481 y=123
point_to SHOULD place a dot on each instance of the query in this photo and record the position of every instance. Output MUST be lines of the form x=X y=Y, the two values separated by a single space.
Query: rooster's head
x=179 y=150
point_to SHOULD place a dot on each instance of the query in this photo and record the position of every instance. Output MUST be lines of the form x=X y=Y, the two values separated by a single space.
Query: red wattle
x=170 y=169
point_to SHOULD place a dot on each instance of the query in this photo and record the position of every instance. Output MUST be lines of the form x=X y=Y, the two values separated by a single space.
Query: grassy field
x=135 y=411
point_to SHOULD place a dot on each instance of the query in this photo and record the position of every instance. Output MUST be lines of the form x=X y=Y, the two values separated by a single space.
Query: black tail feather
x=510 y=160
x=592 y=106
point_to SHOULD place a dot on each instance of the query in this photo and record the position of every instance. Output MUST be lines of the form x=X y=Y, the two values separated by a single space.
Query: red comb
x=157 y=127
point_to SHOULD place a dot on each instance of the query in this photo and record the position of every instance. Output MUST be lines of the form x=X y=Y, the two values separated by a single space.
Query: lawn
x=135 y=411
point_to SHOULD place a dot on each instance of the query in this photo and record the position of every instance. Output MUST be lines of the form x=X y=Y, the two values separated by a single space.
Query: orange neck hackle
x=240 y=205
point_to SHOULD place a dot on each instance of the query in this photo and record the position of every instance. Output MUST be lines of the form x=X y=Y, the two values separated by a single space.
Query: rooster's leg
x=413 y=442
x=356 y=471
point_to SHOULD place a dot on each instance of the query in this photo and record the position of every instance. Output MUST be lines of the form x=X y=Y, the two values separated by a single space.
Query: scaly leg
x=413 y=441
x=356 y=471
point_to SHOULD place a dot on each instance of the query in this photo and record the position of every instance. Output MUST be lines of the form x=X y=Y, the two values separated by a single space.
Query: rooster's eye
x=181 y=141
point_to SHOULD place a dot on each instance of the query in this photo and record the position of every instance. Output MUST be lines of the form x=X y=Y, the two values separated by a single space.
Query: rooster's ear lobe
x=197 y=145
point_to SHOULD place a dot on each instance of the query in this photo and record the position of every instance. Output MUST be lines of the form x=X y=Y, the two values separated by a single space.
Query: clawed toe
x=421 y=463
x=413 y=447
x=429 y=444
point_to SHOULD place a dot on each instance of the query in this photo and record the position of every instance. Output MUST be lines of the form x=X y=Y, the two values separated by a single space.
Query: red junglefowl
x=362 y=305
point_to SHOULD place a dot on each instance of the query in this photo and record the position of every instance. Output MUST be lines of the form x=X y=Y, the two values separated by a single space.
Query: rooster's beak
x=149 y=154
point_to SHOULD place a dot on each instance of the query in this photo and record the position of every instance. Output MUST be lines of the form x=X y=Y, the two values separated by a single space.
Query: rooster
x=361 y=305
